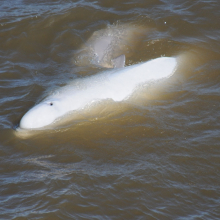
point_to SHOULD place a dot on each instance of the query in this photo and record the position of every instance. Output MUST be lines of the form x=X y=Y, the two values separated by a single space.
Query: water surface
x=153 y=158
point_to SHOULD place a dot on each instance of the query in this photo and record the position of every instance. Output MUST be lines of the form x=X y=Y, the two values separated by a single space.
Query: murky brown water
x=155 y=157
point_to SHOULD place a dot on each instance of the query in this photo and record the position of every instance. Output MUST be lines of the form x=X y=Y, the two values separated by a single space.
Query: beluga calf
x=117 y=84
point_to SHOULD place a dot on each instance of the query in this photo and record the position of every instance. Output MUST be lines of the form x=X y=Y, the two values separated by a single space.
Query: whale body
x=116 y=84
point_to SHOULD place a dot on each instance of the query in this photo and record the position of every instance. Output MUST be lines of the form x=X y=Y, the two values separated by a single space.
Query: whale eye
x=51 y=103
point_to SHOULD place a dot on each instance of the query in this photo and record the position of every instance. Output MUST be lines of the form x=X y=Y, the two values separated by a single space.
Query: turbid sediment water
x=155 y=156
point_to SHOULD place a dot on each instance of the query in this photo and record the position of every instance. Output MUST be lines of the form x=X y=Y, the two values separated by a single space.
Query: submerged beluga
x=108 y=47
x=117 y=84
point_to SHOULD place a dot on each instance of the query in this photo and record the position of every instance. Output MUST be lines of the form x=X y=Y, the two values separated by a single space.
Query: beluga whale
x=117 y=84
x=108 y=47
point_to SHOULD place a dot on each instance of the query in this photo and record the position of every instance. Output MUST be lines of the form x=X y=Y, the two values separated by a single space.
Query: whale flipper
x=119 y=61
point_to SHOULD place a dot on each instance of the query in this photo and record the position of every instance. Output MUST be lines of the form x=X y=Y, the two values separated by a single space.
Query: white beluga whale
x=116 y=84
x=108 y=47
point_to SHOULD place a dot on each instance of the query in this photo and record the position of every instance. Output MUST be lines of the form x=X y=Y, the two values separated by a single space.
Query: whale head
x=41 y=115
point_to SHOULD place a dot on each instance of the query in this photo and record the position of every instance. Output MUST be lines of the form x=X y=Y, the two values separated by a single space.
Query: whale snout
x=39 y=116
